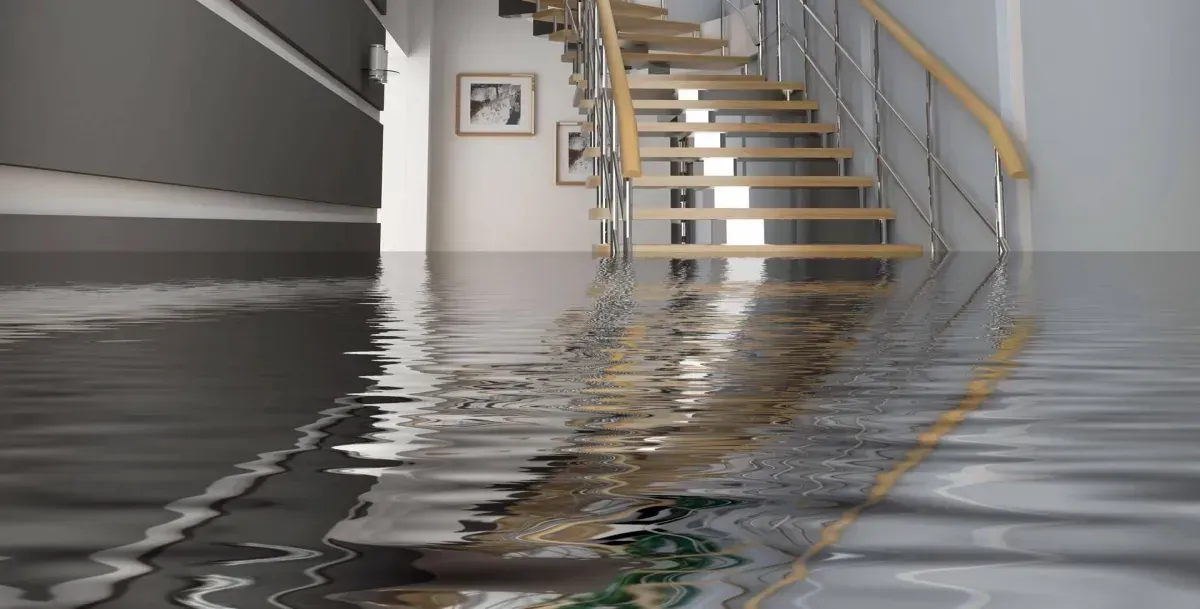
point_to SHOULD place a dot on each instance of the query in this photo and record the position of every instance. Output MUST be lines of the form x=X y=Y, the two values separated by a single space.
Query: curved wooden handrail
x=1011 y=158
x=631 y=156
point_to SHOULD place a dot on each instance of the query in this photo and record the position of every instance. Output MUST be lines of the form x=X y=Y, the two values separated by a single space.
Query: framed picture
x=573 y=167
x=495 y=105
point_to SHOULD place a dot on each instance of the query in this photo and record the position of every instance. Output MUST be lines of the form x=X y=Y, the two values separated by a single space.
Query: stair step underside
x=769 y=251
x=630 y=24
x=654 y=42
x=619 y=8
x=706 y=83
x=754 y=213
x=677 y=60
x=734 y=107
x=747 y=154
x=699 y=182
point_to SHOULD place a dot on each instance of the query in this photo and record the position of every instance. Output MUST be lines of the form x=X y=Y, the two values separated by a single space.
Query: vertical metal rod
x=724 y=34
x=931 y=175
x=878 y=86
x=762 y=37
x=618 y=189
x=627 y=201
x=779 y=44
x=1001 y=224
x=837 y=69
x=804 y=41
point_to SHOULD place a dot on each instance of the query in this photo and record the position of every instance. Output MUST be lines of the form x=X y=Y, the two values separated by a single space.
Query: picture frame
x=495 y=105
x=572 y=167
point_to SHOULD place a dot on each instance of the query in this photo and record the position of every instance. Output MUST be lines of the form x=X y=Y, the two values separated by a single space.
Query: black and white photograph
x=495 y=104
x=573 y=166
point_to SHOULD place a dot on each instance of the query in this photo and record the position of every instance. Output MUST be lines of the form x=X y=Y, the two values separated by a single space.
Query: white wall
x=404 y=215
x=498 y=194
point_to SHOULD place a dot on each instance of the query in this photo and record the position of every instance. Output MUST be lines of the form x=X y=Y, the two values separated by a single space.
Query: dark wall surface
x=167 y=91
x=30 y=233
x=336 y=35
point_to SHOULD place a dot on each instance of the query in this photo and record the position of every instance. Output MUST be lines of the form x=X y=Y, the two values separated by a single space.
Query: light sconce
x=378 y=63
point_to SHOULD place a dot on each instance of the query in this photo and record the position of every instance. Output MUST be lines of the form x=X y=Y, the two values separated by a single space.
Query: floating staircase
x=690 y=74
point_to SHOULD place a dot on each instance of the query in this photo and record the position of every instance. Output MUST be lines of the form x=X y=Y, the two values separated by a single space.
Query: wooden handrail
x=631 y=156
x=1011 y=158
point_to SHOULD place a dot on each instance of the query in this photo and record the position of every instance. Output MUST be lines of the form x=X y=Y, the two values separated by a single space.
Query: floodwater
x=492 y=431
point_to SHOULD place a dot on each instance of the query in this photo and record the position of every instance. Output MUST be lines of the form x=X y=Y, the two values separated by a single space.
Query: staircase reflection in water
x=552 y=431
x=655 y=449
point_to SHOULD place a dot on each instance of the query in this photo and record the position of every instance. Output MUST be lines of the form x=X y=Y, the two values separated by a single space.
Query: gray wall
x=1114 y=140
x=336 y=35
x=167 y=91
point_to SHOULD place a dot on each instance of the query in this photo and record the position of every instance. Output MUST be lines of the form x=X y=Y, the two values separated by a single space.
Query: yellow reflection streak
x=981 y=387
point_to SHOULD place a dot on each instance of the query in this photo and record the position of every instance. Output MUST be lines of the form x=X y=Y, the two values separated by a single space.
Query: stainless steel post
x=931 y=175
x=627 y=202
x=762 y=37
x=724 y=34
x=779 y=44
x=878 y=86
x=614 y=160
x=1001 y=224
x=804 y=41
x=837 y=70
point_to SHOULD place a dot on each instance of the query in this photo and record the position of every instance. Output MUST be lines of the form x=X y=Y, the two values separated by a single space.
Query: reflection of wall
x=156 y=406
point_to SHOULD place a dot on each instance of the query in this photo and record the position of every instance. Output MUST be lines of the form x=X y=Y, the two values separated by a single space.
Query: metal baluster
x=779 y=44
x=877 y=70
x=837 y=71
x=724 y=36
x=931 y=175
x=762 y=37
x=1001 y=224
x=804 y=41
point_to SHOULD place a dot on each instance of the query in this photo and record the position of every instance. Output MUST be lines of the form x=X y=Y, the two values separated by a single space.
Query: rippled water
x=529 y=431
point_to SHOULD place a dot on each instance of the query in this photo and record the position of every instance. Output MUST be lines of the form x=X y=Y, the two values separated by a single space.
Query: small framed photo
x=495 y=105
x=574 y=168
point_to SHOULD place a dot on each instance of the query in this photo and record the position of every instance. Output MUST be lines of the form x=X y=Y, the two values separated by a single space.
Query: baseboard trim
x=42 y=233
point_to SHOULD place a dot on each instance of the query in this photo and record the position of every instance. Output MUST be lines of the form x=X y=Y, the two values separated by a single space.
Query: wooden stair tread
x=665 y=153
x=654 y=42
x=733 y=106
x=703 y=76
x=710 y=84
x=735 y=128
x=636 y=60
x=754 y=213
x=619 y=8
x=626 y=23
x=769 y=251
x=746 y=181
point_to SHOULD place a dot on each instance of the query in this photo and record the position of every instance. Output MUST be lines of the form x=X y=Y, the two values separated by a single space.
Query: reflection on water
x=534 y=431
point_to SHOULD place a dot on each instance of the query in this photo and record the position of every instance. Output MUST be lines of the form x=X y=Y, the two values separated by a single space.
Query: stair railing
x=614 y=134
x=1008 y=160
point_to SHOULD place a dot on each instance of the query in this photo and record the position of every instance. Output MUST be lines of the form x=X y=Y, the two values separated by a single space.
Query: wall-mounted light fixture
x=378 y=64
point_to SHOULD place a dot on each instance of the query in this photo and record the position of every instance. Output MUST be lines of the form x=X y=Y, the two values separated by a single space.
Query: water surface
x=520 y=431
